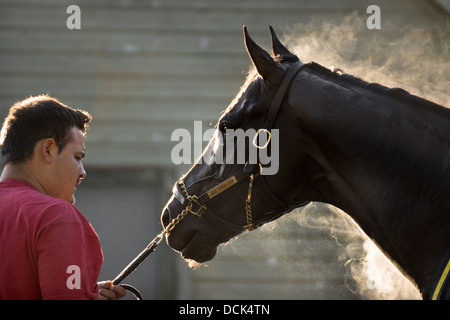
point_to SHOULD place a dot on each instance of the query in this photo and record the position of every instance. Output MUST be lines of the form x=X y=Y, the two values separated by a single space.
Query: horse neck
x=385 y=163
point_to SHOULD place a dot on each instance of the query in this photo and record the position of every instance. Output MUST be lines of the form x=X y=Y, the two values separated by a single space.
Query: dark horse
x=379 y=154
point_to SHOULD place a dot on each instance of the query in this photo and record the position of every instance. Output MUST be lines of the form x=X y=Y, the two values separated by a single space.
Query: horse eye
x=224 y=126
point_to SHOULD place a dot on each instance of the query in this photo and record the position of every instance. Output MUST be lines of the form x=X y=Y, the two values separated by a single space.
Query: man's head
x=34 y=119
x=48 y=136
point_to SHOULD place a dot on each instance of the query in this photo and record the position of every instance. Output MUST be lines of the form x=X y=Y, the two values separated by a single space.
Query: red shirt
x=48 y=250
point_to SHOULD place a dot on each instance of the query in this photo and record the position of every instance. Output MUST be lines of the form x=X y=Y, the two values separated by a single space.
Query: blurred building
x=146 y=68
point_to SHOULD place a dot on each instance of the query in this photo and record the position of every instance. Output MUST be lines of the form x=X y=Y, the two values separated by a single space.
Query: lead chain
x=248 y=206
x=177 y=219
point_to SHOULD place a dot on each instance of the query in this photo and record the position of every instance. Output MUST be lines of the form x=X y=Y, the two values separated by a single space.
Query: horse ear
x=266 y=66
x=280 y=51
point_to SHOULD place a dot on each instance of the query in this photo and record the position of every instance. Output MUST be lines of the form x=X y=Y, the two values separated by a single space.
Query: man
x=48 y=250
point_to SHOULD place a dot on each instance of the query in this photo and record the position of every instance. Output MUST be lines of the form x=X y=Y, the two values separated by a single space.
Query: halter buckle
x=199 y=208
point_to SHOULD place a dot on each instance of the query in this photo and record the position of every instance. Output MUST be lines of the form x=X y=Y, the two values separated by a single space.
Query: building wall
x=146 y=68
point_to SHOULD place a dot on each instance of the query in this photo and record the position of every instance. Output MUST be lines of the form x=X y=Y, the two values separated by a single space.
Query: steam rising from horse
x=379 y=154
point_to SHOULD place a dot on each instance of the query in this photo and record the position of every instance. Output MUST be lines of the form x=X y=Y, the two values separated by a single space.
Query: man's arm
x=69 y=255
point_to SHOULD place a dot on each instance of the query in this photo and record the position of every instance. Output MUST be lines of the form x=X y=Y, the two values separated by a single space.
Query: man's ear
x=48 y=149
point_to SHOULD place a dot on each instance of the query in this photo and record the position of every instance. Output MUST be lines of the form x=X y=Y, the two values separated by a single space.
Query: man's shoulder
x=29 y=202
x=52 y=210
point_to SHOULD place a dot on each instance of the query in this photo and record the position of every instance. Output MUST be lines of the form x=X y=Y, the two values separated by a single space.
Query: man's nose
x=82 y=173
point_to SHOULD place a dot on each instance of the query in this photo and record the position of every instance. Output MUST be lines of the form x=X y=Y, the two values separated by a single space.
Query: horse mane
x=395 y=93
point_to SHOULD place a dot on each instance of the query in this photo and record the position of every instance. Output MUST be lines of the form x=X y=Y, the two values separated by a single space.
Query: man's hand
x=108 y=291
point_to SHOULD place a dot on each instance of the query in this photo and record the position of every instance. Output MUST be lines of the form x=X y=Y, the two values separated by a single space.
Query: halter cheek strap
x=281 y=92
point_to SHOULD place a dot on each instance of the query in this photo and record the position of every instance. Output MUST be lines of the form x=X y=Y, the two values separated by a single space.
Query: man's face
x=68 y=169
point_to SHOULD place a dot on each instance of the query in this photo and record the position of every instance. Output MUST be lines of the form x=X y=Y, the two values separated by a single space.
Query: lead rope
x=133 y=265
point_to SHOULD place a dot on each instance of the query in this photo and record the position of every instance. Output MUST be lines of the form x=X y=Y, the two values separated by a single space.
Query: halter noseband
x=197 y=205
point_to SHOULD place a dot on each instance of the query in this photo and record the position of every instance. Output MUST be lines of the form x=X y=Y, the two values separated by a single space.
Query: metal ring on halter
x=255 y=138
x=199 y=209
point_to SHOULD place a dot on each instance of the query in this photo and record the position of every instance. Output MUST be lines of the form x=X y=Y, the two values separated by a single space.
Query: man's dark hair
x=34 y=119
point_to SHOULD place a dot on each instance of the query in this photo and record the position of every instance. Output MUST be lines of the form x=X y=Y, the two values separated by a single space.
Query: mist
x=369 y=273
x=314 y=252
x=415 y=58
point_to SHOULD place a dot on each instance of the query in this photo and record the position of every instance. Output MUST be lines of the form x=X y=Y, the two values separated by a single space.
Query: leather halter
x=197 y=204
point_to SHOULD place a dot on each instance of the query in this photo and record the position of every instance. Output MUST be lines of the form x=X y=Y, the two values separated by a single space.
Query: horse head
x=249 y=172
